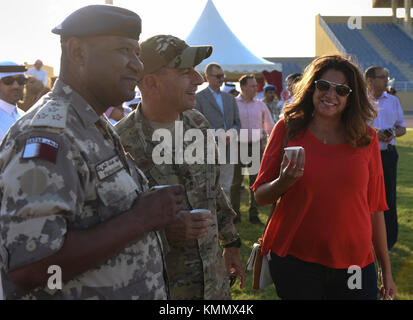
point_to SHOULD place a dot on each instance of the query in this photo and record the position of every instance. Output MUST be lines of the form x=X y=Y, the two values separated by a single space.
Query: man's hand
x=159 y=208
x=188 y=226
x=84 y=249
x=399 y=131
x=383 y=137
x=233 y=263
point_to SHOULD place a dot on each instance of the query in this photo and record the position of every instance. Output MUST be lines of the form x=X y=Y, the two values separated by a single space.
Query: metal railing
x=403 y=86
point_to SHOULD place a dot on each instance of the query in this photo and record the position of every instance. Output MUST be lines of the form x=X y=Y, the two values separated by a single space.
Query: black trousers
x=295 y=279
x=389 y=159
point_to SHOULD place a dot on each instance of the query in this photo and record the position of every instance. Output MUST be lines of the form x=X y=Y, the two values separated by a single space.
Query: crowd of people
x=80 y=187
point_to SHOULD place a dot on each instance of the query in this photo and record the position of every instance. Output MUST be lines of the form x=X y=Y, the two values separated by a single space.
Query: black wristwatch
x=234 y=244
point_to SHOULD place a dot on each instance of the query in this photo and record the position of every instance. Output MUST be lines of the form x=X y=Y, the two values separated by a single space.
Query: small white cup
x=200 y=211
x=289 y=151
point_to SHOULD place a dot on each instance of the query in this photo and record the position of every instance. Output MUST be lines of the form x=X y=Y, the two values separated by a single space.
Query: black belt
x=390 y=148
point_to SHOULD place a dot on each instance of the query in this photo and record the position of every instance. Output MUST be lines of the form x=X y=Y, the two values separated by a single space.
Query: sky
x=269 y=28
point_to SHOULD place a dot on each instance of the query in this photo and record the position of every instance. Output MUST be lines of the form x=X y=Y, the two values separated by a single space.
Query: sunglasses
x=341 y=89
x=8 y=81
x=219 y=76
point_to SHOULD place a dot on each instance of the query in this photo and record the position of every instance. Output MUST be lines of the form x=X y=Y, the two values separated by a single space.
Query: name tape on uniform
x=41 y=148
x=109 y=167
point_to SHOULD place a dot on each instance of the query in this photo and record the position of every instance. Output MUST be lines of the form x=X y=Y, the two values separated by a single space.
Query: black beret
x=98 y=20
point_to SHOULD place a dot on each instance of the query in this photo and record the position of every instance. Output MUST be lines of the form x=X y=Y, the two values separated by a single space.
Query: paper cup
x=200 y=210
x=289 y=151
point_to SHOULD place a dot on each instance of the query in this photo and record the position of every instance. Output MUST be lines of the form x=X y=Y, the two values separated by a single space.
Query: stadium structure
x=369 y=40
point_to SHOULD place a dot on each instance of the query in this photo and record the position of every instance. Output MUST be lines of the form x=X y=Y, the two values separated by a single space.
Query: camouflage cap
x=169 y=51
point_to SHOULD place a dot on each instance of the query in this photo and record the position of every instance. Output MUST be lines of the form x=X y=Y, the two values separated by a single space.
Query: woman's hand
x=388 y=289
x=292 y=171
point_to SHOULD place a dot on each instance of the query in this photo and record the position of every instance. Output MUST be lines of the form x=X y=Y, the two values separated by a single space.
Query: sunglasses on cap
x=341 y=89
x=8 y=81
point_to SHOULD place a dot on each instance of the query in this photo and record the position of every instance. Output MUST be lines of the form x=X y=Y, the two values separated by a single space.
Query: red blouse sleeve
x=376 y=189
x=270 y=163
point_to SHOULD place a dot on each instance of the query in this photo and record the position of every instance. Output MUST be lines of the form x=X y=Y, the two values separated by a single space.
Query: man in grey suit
x=221 y=110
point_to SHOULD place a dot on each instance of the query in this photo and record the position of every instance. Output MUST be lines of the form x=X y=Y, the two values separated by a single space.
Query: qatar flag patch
x=40 y=148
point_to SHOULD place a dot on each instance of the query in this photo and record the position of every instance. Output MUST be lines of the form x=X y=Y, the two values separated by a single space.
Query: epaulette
x=53 y=114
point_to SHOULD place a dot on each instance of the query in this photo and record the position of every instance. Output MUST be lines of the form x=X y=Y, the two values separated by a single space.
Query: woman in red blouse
x=323 y=234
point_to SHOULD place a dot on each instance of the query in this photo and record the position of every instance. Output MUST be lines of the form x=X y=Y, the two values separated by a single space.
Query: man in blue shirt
x=389 y=124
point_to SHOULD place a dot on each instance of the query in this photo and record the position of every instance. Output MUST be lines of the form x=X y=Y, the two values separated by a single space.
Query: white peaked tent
x=229 y=52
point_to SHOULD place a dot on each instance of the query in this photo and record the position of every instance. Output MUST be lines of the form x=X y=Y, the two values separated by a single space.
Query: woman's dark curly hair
x=358 y=112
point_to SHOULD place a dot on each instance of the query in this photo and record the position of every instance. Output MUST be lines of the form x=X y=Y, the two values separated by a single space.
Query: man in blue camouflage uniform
x=197 y=267
x=70 y=196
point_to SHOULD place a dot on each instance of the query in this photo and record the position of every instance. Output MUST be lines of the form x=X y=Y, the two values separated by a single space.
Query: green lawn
x=401 y=257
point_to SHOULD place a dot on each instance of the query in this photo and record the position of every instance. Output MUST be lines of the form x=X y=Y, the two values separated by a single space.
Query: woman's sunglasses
x=8 y=81
x=341 y=89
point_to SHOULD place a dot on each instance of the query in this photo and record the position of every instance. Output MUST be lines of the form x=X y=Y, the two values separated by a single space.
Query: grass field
x=401 y=258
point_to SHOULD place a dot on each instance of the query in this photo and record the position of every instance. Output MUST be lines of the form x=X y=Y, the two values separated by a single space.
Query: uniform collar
x=142 y=124
x=86 y=113
x=241 y=98
x=383 y=95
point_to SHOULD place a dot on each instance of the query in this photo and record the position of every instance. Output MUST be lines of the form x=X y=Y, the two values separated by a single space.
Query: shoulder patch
x=52 y=114
x=40 y=148
x=196 y=119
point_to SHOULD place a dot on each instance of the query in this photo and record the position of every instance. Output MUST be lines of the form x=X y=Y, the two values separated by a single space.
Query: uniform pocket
x=119 y=190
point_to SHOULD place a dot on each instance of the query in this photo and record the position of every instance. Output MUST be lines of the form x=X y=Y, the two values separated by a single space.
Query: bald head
x=38 y=64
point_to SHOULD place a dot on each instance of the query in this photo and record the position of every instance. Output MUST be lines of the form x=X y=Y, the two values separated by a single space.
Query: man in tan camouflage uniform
x=197 y=267
x=70 y=196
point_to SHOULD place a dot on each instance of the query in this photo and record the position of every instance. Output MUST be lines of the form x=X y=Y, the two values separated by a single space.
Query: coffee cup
x=290 y=150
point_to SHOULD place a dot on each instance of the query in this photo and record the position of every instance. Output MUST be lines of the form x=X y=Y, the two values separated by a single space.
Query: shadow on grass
x=401 y=259
x=402 y=256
